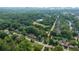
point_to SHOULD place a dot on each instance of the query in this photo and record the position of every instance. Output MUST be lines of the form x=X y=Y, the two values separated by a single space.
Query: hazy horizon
x=39 y=3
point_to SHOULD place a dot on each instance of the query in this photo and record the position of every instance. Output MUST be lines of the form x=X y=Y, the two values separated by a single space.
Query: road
x=52 y=28
x=41 y=43
x=36 y=23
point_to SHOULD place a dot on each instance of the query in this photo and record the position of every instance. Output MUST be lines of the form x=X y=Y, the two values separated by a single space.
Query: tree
x=25 y=45
x=2 y=34
x=53 y=42
x=66 y=34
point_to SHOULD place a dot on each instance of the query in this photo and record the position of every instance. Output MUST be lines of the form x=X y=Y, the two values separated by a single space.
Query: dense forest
x=39 y=29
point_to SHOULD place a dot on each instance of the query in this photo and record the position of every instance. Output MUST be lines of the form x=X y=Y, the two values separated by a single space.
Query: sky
x=39 y=3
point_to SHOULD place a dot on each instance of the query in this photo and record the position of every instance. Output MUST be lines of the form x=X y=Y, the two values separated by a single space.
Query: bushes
x=37 y=47
x=58 y=48
x=73 y=42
